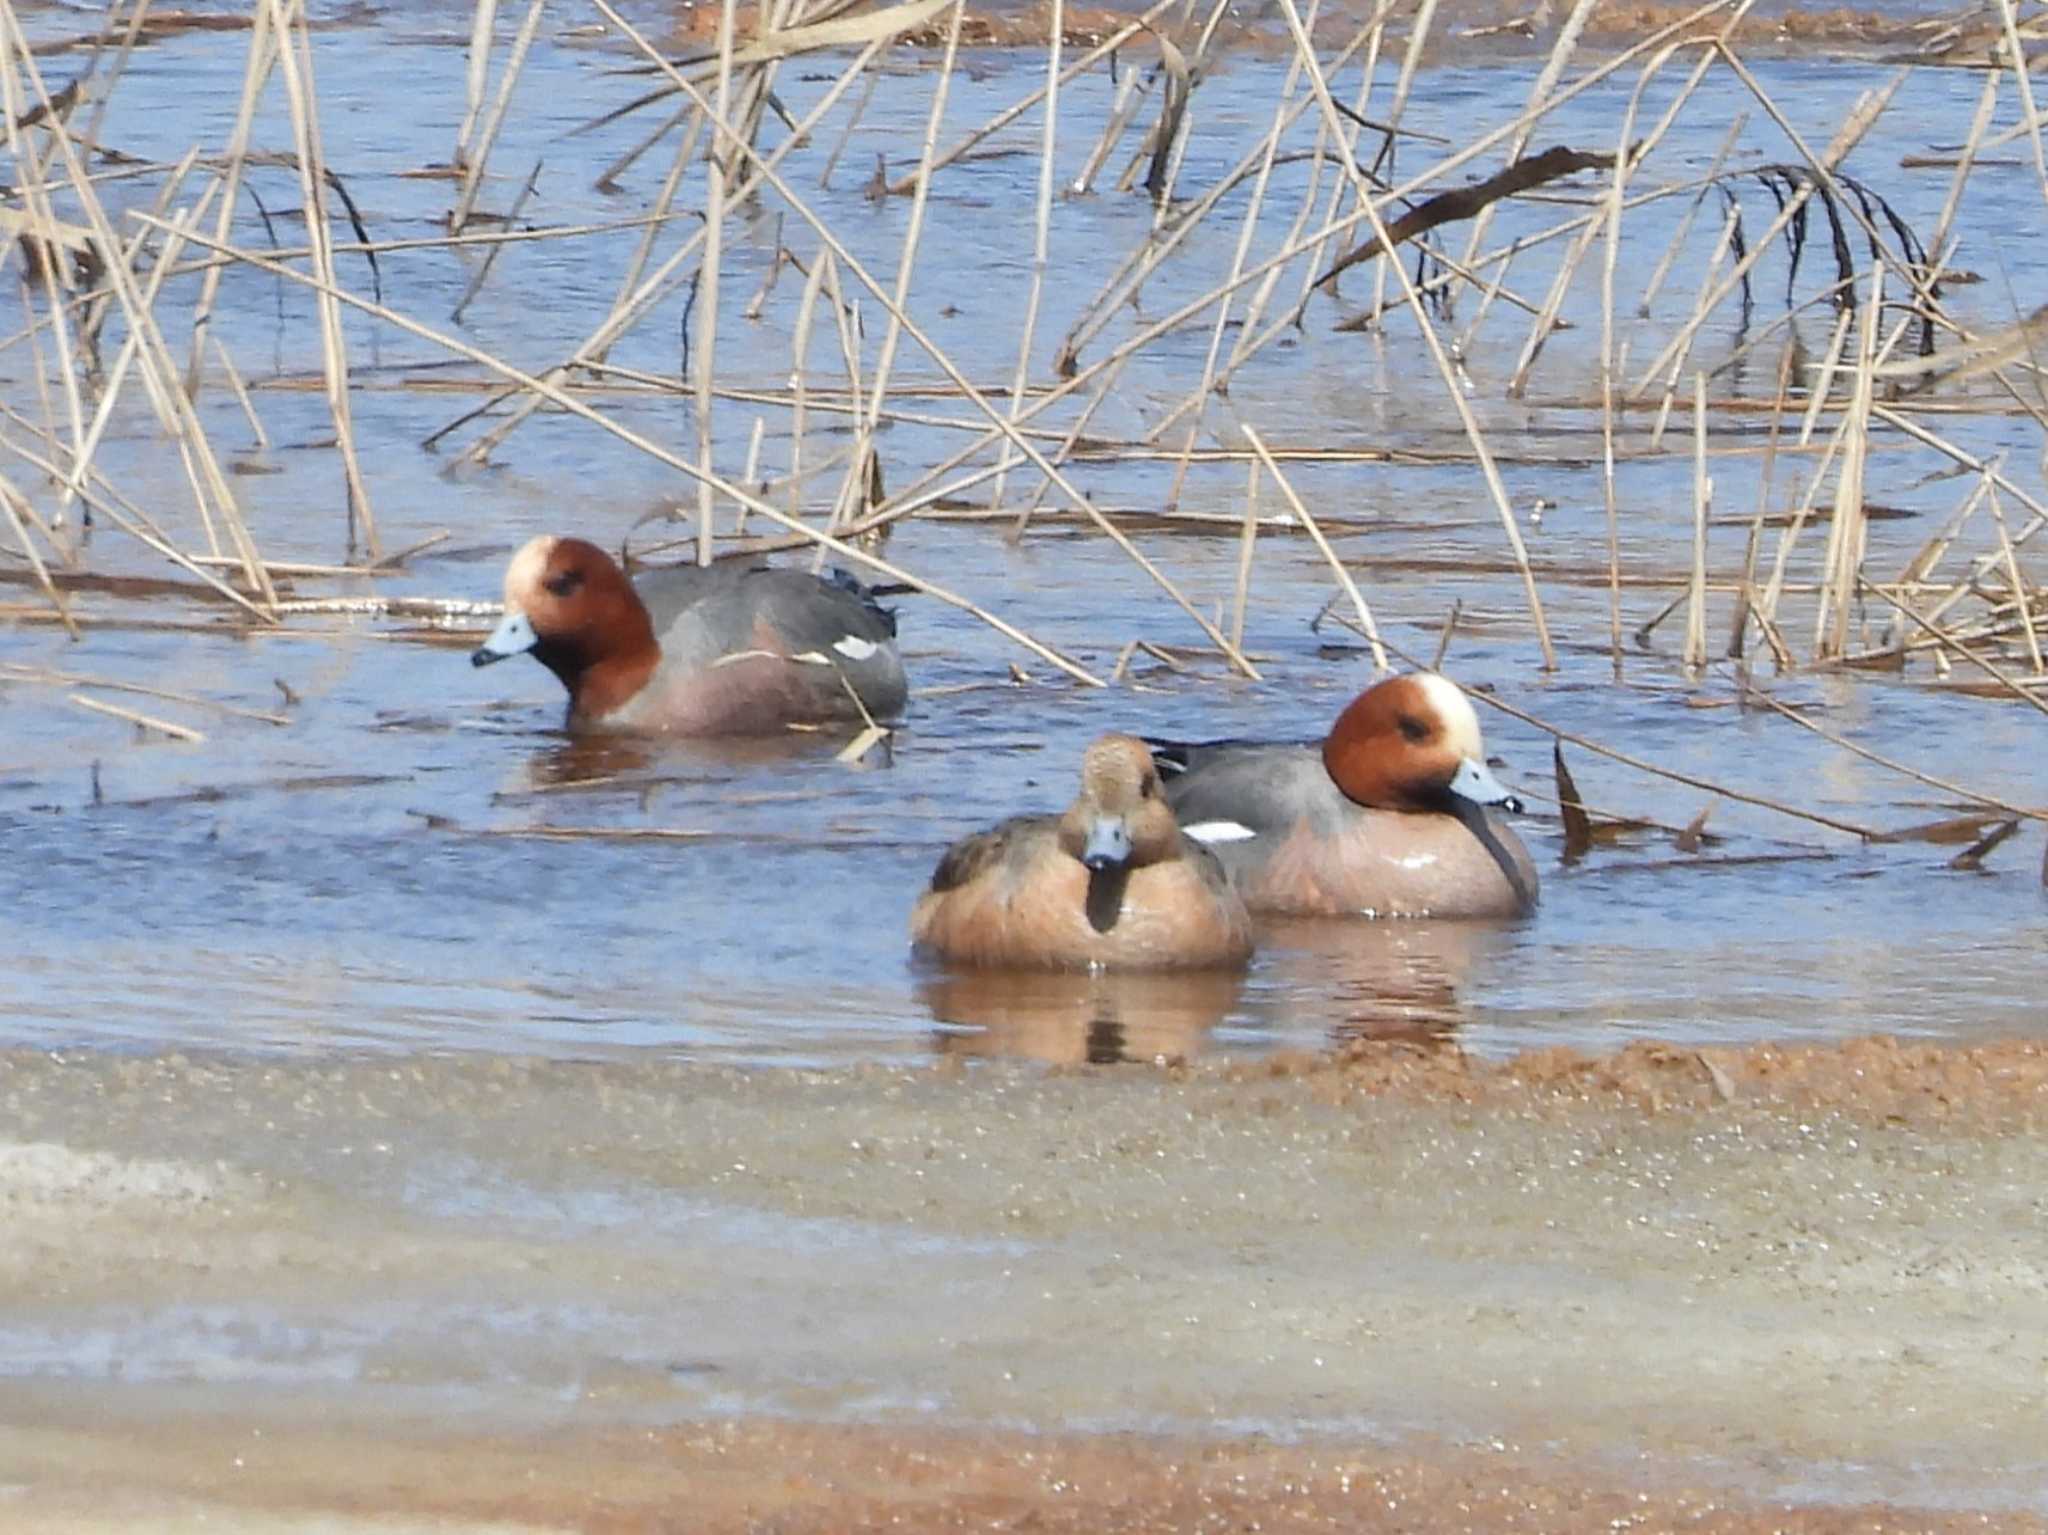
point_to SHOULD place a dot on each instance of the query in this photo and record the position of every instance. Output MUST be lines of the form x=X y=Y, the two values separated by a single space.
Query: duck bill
x=1108 y=845
x=1474 y=781
x=513 y=636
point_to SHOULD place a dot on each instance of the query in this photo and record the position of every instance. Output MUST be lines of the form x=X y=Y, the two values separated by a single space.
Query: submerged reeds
x=1455 y=265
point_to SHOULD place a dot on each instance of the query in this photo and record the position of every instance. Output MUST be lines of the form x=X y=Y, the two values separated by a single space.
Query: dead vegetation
x=1465 y=259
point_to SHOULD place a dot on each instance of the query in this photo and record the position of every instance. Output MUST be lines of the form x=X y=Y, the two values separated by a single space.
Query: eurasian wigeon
x=1110 y=882
x=731 y=648
x=1390 y=815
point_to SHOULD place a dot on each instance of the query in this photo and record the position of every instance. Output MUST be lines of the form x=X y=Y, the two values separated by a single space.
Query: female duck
x=732 y=648
x=1390 y=816
x=1109 y=883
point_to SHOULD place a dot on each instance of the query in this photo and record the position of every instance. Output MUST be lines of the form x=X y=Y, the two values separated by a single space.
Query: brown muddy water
x=339 y=1085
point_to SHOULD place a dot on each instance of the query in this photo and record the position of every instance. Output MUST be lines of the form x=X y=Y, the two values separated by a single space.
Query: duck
x=1109 y=883
x=1393 y=814
x=737 y=647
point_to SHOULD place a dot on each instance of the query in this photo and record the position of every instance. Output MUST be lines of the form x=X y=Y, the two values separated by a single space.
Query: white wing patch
x=1219 y=831
x=854 y=648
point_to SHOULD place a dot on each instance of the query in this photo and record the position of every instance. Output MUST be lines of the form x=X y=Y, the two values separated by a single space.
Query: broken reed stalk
x=1349 y=586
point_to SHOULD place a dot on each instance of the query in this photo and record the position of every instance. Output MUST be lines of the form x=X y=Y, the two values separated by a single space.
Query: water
x=373 y=874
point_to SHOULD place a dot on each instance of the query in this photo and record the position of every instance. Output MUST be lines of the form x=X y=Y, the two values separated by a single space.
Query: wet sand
x=1393 y=1288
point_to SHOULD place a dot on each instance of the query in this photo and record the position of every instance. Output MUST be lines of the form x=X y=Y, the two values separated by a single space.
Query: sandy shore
x=1395 y=1289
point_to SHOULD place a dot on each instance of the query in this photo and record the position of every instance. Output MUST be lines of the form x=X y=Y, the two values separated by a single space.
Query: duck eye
x=1413 y=729
x=565 y=583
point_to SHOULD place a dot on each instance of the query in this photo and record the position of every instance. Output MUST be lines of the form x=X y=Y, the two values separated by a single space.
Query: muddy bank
x=219 y=1471
x=1811 y=1276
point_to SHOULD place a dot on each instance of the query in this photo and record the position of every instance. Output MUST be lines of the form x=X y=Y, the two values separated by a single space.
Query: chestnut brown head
x=1411 y=743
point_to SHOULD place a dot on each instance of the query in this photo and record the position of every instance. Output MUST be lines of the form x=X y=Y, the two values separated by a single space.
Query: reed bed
x=814 y=404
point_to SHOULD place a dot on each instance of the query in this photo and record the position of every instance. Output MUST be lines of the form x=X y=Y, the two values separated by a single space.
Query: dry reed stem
x=34 y=192
x=17 y=672
x=1017 y=109
x=1247 y=541
x=1843 y=563
x=710 y=270
x=1041 y=240
x=920 y=202
x=117 y=375
x=141 y=721
x=1987 y=102
x=2019 y=585
x=1702 y=497
x=1657 y=770
x=1562 y=48
x=483 y=271
x=2022 y=69
x=483 y=27
x=565 y=401
x=1869 y=107
x=945 y=363
x=1344 y=581
x=476 y=150
x=255 y=75
x=19 y=517
x=295 y=61
x=158 y=373
x=1411 y=60
x=1949 y=641
x=628 y=310
x=241 y=393
x=1294 y=249
x=1466 y=418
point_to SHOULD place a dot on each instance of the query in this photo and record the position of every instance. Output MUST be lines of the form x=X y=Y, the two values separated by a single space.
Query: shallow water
x=370 y=874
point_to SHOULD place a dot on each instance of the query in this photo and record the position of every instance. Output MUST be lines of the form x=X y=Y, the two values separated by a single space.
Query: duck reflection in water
x=651 y=762
x=1348 y=980
x=1068 y=1017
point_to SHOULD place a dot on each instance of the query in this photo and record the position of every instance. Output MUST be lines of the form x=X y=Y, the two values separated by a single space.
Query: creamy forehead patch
x=1454 y=709
x=523 y=575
